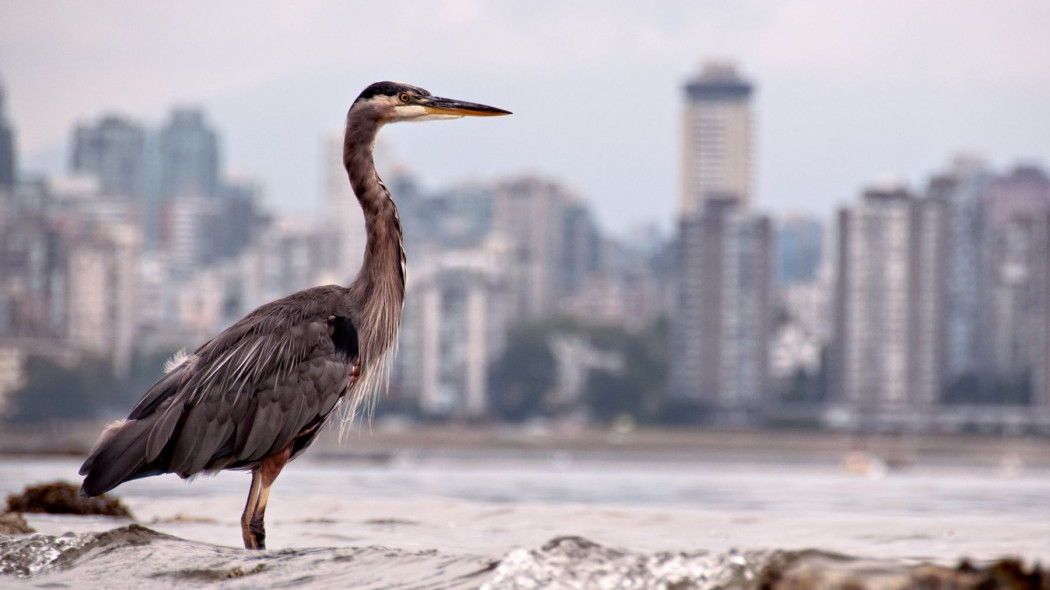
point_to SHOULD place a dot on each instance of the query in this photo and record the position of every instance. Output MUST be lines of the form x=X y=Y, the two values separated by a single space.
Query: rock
x=63 y=497
x=808 y=572
x=13 y=523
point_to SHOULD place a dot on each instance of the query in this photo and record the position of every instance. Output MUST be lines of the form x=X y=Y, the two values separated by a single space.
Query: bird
x=255 y=396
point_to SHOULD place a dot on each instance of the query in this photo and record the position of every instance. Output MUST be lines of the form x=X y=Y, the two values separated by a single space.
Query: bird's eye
x=404 y=97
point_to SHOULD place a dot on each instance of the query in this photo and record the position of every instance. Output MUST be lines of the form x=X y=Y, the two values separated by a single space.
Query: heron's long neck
x=380 y=286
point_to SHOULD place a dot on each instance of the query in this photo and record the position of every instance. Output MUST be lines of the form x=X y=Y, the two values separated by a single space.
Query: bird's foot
x=254 y=534
x=257 y=534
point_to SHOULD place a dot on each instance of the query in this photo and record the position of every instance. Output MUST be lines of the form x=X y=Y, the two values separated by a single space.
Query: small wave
x=572 y=562
x=575 y=563
x=136 y=556
x=36 y=553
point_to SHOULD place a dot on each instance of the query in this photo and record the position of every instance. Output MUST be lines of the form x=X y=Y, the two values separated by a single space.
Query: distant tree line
x=523 y=379
x=88 y=388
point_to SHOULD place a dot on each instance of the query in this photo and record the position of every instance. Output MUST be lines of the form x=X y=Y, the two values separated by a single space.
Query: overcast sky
x=848 y=93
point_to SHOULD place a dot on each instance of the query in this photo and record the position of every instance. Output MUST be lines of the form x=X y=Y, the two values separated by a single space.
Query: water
x=503 y=521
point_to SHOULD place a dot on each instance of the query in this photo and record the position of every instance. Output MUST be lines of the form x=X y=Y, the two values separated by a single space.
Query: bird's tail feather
x=119 y=455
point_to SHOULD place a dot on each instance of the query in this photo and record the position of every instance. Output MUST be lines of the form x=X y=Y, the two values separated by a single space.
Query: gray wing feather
x=243 y=395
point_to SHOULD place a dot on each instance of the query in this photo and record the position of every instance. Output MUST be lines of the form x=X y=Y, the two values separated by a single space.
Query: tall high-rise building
x=725 y=268
x=1039 y=298
x=961 y=190
x=7 y=149
x=723 y=324
x=113 y=150
x=188 y=151
x=889 y=314
x=717 y=139
x=1013 y=298
x=530 y=214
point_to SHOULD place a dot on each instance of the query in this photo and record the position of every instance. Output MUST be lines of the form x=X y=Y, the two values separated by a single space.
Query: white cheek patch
x=438 y=117
x=417 y=112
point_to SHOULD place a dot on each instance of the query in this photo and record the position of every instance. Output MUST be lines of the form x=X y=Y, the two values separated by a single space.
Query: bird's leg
x=253 y=529
x=249 y=510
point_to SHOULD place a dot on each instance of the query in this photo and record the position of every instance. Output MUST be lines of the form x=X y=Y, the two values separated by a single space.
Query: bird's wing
x=245 y=394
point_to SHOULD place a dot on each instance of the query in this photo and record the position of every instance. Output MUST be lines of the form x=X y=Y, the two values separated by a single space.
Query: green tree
x=521 y=378
x=637 y=389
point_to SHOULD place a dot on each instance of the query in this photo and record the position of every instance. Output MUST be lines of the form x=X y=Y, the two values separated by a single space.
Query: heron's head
x=396 y=101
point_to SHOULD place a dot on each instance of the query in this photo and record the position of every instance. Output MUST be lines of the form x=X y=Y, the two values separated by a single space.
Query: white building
x=454 y=325
x=888 y=344
x=342 y=214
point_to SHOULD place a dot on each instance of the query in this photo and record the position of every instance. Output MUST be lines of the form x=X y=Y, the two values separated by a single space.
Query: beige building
x=717 y=139
x=102 y=291
x=529 y=214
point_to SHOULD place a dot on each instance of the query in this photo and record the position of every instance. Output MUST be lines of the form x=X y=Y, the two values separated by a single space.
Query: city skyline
x=844 y=94
x=913 y=278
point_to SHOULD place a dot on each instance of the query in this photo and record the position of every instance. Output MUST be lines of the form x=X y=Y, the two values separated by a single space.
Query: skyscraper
x=722 y=328
x=961 y=190
x=7 y=148
x=871 y=340
x=189 y=156
x=113 y=150
x=531 y=215
x=1014 y=285
x=889 y=312
x=725 y=271
x=717 y=139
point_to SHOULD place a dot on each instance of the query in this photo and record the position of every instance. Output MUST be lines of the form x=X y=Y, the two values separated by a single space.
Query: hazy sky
x=848 y=93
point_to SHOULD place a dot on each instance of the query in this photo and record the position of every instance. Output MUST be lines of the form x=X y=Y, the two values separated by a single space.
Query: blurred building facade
x=454 y=326
x=717 y=139
x=941 y=307
x=961 y=190
x=113 y=150
x=343 y=218
x=722 y=325
x=1013 y=286
x=886 y=305
x=550 y=241
x=8 y=164
x=189 y=162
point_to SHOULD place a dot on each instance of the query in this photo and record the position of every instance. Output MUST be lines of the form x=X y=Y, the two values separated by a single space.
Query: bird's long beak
x=448 y=106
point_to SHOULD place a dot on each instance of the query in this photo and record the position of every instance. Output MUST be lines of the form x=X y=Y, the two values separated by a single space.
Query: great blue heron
x=255 y=396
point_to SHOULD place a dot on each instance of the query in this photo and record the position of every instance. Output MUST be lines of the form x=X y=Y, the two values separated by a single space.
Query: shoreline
x=383 y=440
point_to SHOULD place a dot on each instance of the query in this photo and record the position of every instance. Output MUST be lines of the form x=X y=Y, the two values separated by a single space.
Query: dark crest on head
x=390 y=89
